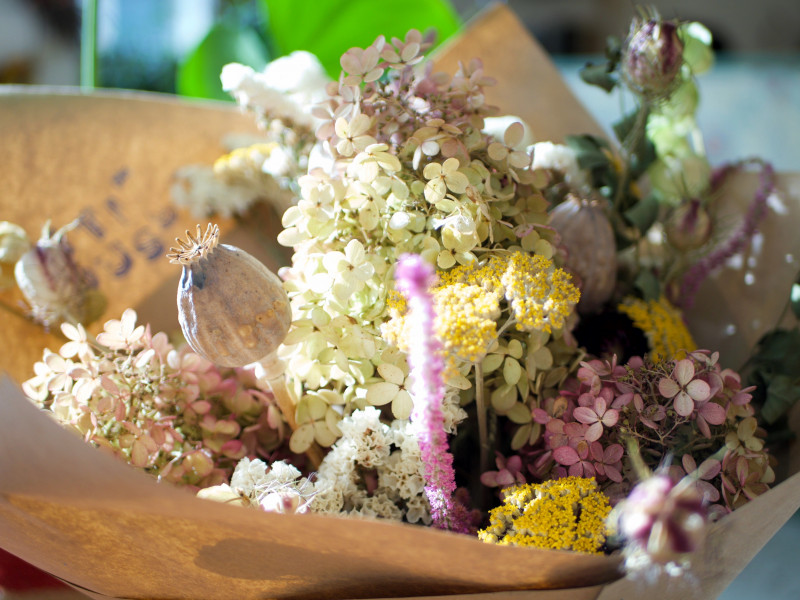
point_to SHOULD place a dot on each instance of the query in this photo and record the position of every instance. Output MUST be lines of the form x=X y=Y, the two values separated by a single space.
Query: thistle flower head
x=652 y=57
x=663 y=521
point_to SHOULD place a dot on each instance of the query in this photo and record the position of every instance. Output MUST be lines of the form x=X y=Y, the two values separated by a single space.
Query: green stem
x=483 y=430
x=629 y=144
x=89 y=44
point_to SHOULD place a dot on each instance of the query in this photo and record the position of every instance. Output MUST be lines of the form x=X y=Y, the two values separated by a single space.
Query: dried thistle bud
x=652 y=58
x=55 y=287
x=689 y=226
x=14 y=243
x=663 y=519
x=587 y=235
x=232 y=309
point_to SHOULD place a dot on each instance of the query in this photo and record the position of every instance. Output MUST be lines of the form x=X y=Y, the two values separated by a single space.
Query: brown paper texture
x=113 y=532
x=529 y=85
x=95 y=522
x=107 y=159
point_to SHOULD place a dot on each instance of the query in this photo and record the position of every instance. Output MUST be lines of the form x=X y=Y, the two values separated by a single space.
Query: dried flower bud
x=53 y=284
x=652 y=57
x=232 y=309
x=14 y=243
x=689 y=226
x=591 y=250
x=663 y=519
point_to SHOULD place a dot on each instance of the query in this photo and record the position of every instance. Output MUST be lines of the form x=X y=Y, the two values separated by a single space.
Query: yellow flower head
x=560 y=514
x=467 y=303
x=540 y=295
x=663 y=326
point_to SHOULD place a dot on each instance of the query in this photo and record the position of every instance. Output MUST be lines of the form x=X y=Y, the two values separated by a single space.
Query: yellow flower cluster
x=467 y=303
x=244 y=164
x=465 y=321
x=560 y=514
x=663 y=326
x=541 y=296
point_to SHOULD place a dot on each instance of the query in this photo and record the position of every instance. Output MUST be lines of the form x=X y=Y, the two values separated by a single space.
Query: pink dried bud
x=689 y=226
x=666 y=520
x=55 y=287
x=652 y=58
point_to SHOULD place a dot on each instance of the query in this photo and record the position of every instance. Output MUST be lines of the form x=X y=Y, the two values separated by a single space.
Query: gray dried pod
x=587 y=235
x=232 y=309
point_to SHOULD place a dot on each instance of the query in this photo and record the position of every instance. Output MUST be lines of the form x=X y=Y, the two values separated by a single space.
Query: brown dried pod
x=587 y=235
x=232 y=309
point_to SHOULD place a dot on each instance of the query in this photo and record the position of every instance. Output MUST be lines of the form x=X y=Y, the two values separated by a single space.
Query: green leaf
x=644 y=213
x=642 y=151
x=782 y=393
x=598 y=75
x=778 y=351
x=647 y=283
x=198 y=75
x=697 y=52
x=328 y=28
x=588 y=150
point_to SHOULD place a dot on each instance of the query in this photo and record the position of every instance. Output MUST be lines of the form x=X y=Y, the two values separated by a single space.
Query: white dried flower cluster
x=277 y=487
x=286 y=89
x=373 y=470
x=561 y=158
x=198 y=189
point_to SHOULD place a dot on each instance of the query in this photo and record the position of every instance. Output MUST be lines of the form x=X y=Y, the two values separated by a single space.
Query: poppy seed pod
x=232 y=309
x=588 y=237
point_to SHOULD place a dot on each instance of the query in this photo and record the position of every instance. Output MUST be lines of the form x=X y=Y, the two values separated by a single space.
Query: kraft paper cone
x=529 y=85
x=745 y=299
x=102 y=526
x=107 y=159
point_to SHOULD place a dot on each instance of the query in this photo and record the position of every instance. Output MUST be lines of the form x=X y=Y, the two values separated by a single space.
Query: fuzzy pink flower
x=414 y=278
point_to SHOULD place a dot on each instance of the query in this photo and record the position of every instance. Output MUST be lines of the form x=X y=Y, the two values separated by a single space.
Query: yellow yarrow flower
x=541 y=296
x=467 y=303
x=560 y=514
x=663 y=326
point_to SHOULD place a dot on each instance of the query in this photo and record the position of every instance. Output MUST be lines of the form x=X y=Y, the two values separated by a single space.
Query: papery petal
x=610 y=418
x=699 y=390
x=565 y=455
x=713 y=413
x=584 y=415
x=684 y=405
x=594 y=432
x=668 y=388
x=613 y=454
x=684 y=371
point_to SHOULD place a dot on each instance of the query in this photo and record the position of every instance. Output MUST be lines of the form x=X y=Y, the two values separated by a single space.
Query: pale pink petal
x=585 y=415
x=668 y=388
x=699 y=390
x=566 y=455
x=594 y=432
x=702 y=425
x=613 y=454
x=684 y=405
x=610 y=418
x=684 y=371
x=713 y=413
x=613 y=473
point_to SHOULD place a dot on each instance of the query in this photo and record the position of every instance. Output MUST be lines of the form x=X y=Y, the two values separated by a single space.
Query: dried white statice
x=373 y=470
x=286 y=89
x=278 y=487
x=547 y=155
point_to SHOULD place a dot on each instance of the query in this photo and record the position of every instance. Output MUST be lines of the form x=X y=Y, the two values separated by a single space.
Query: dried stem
x=276 y=381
